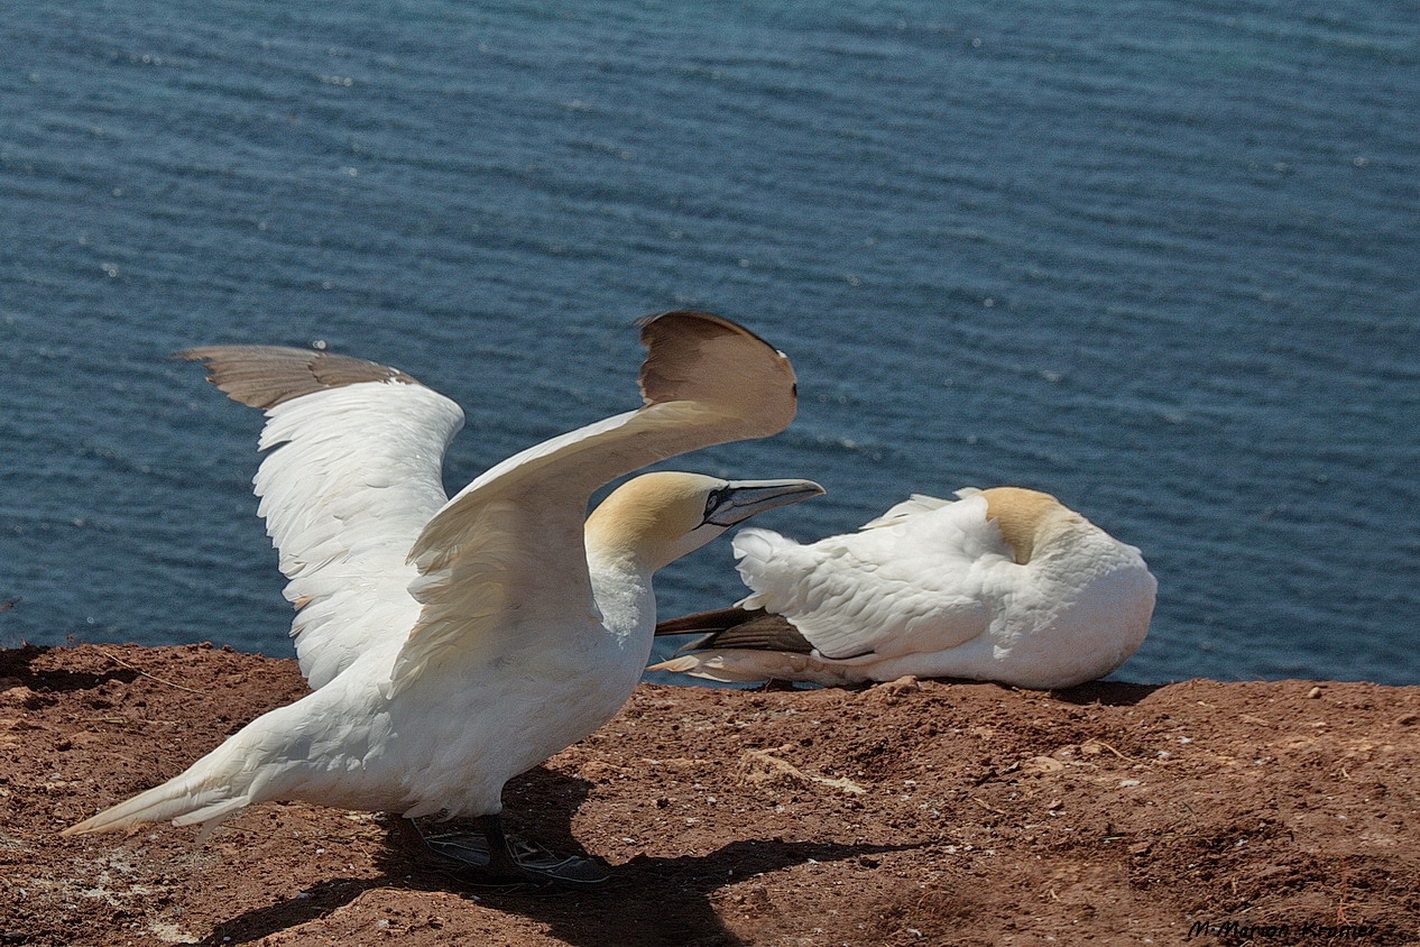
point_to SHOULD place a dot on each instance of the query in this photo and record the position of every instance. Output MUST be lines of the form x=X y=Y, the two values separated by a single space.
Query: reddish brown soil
x=902 y=814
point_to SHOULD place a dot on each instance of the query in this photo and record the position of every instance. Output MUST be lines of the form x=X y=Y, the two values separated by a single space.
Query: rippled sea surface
x=1158 y=259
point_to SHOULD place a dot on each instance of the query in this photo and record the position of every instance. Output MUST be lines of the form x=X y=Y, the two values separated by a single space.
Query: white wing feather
x=917 y=503
x=351 y=474
x=352 y=477
x=907 y=586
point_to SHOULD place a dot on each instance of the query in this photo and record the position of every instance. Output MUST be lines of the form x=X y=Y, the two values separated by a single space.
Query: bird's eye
x=713 y=501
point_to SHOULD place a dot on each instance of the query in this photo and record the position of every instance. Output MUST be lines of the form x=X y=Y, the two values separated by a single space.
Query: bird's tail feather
x=182 y=804
x=206 y=792
x=744 y=666
x=774 y=567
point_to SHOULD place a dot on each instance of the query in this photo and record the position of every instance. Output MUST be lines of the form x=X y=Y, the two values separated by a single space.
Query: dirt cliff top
x=901 y=814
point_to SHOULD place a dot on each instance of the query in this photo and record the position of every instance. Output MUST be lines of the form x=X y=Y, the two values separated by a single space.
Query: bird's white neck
x=621 y=585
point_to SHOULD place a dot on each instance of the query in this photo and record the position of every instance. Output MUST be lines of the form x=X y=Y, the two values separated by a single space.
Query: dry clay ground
x=901 y=814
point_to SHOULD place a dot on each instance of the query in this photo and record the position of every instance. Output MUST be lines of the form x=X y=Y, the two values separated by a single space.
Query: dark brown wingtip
x=708 y=320
x=264 y=376
x=699 y=356
x=707 y=622
x=735 y=627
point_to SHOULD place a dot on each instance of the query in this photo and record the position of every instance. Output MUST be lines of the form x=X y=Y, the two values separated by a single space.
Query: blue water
x=1160 y=259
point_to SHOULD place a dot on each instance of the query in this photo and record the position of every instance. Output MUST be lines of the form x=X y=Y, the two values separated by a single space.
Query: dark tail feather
x=751 y=629
x=709 y=622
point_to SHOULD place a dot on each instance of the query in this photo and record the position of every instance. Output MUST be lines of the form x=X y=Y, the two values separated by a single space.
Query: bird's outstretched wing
x=503 y=560
x=351 y=476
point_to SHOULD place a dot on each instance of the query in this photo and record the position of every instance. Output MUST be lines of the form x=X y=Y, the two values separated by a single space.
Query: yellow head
x=1027 y=518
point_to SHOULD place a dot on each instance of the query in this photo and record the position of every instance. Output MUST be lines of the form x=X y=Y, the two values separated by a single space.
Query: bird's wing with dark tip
x=351 y=475
x=748 y=629
x=492 y=550
x=696 y=356
x=702 y=623
x=264 y=376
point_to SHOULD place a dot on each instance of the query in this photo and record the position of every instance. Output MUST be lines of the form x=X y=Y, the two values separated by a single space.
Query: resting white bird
x=454 y=644
x=1002 y=585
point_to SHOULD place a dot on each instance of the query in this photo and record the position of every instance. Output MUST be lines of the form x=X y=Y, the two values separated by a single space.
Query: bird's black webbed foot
x=491 y=857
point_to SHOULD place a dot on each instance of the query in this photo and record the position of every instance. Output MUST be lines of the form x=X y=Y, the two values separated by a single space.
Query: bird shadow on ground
x=1109 y=693
x=17 y=669
x=648 y=901
x=668 y=901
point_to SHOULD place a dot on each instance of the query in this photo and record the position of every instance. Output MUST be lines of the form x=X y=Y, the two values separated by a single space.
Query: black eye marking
x=713 y=501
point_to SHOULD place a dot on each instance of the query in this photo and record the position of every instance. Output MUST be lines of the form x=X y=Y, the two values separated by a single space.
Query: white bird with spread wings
x=454 y=643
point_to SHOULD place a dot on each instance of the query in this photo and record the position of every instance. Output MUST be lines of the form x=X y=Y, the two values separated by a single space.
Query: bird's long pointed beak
x=744 y=498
